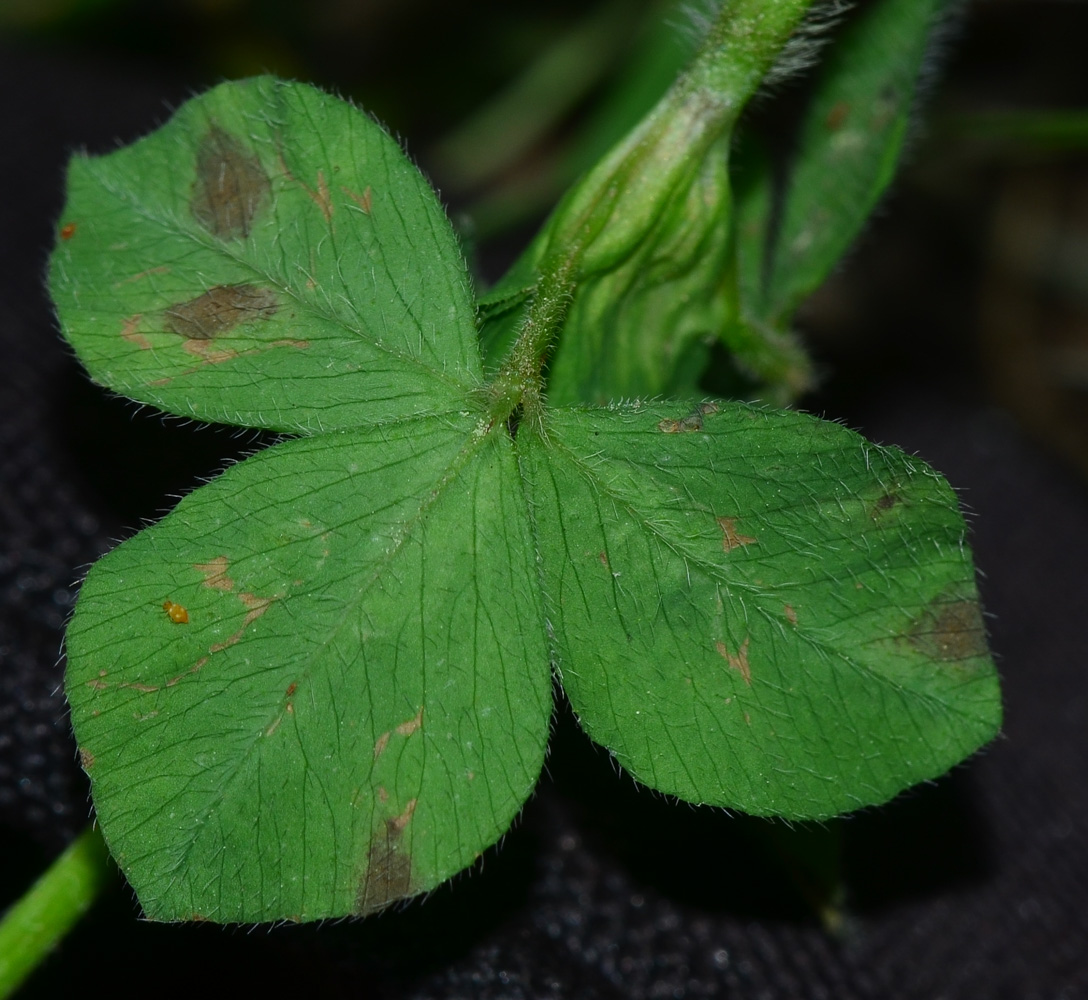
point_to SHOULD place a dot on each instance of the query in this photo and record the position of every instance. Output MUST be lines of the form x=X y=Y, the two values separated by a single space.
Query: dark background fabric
x=971 y=886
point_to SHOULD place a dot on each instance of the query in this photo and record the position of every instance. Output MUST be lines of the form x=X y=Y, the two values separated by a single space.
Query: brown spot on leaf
x=86 y=759
x=950 y=630
x=130 y=331
x=321 y=196
x=67 y=231
x=195 y=668
x=208 y=353
x=884 y=503
x=219 y=310
x=362 y=200
x=409 y=727
x=388 y=875
x=738 y=661
x=380 y=744
x=692 y=422
x=257 y=606
x=730 y=539
x=215 y=573
x=164 y=269
x=837 y=116
x=230 y=186
x=790 y=613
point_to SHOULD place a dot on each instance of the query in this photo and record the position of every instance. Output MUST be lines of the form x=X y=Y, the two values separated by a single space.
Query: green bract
x=323 y=682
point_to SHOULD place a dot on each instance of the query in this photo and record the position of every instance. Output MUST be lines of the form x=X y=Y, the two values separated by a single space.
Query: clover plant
x=323 y=682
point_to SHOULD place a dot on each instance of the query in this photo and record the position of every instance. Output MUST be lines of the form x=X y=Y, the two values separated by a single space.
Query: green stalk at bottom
x=49 y=908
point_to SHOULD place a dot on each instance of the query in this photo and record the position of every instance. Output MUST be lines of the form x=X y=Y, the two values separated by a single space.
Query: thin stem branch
x=32 y=927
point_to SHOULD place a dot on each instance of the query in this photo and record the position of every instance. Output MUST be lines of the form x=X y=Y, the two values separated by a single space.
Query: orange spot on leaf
x=67 y=231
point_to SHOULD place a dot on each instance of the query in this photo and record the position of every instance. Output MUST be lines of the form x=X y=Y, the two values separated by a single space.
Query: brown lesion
x=690 y=423
x=86 y=759
x=215 y=573
x=405 y=728
x=731 y=538
x=219 y=310
x=362 y=200
x=388 y=876
x=130 y=332
x=230 y=188
x=738 y=661
x=837 y=116
x=950 y=630
x=886 y=502
x=255 y=607
x=409 y=726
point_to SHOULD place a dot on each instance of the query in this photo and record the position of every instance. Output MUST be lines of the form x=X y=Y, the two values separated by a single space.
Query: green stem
x=617 y=203
x=520 y=381
x=48 y=910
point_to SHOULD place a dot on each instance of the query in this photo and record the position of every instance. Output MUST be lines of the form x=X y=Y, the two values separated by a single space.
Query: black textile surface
x=973 y=886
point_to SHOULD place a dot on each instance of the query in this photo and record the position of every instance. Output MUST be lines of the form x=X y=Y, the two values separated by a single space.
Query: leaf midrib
x=458 y=464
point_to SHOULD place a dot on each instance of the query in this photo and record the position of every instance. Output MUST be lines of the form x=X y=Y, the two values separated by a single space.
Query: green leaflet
x=743 y=609
x=267 y=233
x=358 y=703
x=321 y=683
x=846 y=151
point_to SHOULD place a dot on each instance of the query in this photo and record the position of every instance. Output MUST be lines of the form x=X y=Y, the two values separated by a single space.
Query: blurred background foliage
x=973 y=276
